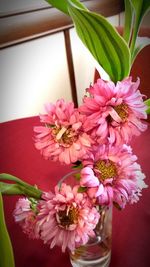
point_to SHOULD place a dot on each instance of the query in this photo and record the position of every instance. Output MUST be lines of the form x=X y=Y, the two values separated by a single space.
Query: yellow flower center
x=106 y=169
x=64 y=136
x=68 y=216
x=122 y=111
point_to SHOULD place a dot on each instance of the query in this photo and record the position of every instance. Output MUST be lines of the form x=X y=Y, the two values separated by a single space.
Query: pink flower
x=26 y=217
x=112 y=175
x=66 y=218
x=62 y=137
x=114 y=112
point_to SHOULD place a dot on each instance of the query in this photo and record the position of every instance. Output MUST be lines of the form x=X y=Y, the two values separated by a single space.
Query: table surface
x=131 y=227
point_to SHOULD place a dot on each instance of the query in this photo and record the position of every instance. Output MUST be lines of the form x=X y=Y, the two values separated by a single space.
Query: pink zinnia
x=66 y=218
x=62 y=137
x=112 y=175
x=114 y=112
x=25 y=214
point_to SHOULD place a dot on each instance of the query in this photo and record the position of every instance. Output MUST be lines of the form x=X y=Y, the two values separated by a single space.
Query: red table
x=131 y=227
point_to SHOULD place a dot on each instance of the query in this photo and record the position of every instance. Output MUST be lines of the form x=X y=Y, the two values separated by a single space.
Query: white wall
x=35 y=72
x=32 y=74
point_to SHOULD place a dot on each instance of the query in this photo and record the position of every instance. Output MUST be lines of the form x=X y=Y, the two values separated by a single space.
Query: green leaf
x=147 y=102
x=6 y=251
x=62 y=5
x=77 y=176
x=128 y=20
x=77 y=165
x=59 y=4
x=103 y=41
x=141 y=7
x=82 y=189
x=148 y=111
x=141 y=42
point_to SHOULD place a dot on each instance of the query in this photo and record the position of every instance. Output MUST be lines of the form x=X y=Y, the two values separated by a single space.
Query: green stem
x=19 y=188
x=6 y=251
x=128 y=21
x=135 y=33
x=6 y=176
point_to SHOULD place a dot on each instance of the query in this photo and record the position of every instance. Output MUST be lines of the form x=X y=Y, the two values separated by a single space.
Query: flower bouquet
x=94 y=139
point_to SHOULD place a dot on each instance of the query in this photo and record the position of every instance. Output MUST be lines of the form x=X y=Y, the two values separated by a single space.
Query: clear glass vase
x=97 y=252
